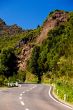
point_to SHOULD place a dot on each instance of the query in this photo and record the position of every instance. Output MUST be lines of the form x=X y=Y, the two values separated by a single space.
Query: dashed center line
x=22 y=103
x=20 y=98
x=26 y=109
x=21 y=94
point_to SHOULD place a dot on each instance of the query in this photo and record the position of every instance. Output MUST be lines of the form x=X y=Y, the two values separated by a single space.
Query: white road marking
x=33 y=87
x=21 y=94
x=26 y=109
x=22 y=103
x=20 y=98
x=57 y=100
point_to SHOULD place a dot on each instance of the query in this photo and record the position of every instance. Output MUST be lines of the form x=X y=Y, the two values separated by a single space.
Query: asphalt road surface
x=30 y=97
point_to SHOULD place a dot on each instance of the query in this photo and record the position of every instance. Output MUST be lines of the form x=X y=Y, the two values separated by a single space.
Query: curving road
x=30 y=97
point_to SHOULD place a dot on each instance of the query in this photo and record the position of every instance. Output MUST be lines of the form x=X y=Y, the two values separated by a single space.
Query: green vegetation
x=56 y=53
x=64 y=88
x=8 y=65
x=33 y=64
x=50 y=62
x=31 y=78
x=16 y=41
x=10 y=48
x=54 y=58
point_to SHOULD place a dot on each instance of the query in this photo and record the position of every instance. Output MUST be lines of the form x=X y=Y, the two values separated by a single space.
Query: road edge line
x=56 y=100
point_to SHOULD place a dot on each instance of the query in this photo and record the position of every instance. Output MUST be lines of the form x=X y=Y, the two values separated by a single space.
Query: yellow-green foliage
x=31 y=78
x=56 y=53
x=14 y=40
x=65 y=87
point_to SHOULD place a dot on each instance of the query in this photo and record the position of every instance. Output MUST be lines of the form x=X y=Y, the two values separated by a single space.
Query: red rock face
x=25 y=55
x=5 y=29
x=56 y=19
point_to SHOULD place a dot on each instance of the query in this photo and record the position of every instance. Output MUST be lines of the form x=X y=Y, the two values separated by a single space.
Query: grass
x=45 y=79
x=7 y=41
x=30 y=78
x=63 y=88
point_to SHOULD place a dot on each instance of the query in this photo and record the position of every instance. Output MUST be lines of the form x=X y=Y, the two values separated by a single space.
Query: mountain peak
x=9 y=30
x=2 y=23
x=54 y=19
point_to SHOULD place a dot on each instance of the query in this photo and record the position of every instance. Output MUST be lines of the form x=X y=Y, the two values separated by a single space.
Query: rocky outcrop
x=9 y=30
x=24 y=56
x=54 y=20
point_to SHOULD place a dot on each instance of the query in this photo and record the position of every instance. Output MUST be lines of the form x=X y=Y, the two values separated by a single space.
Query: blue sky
x=29 y=13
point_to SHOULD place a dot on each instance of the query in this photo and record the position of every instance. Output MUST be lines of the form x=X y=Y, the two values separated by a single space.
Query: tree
x=33 y=63
x=8 y=62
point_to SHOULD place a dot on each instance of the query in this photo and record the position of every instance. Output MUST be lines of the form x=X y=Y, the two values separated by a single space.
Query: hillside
x=54 y=55
x=56 y=19
x=52 y=59
x=45 y=51
x=9 y=30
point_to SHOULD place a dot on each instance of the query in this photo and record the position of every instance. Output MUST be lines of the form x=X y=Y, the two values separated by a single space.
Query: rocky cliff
x=55 y=19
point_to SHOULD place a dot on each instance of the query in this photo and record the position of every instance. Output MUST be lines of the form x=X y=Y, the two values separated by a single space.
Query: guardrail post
x=65 y=97
x=57 y=92
x=8 y=84
x=16 y=83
